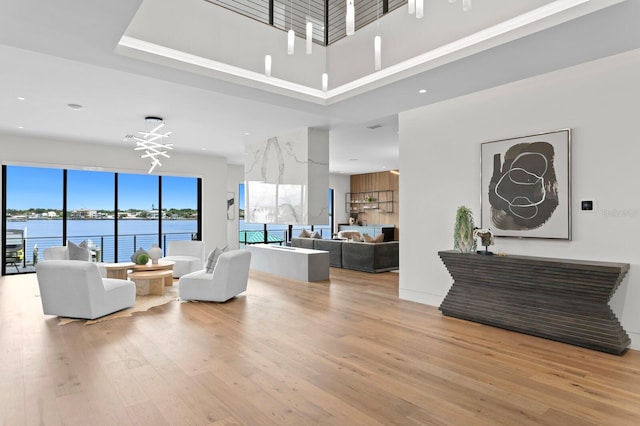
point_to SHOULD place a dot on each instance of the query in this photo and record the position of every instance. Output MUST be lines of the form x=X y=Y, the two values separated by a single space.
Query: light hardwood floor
x=344 y=352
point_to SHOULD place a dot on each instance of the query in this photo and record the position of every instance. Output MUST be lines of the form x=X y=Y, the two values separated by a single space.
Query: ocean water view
x=100 y=235
x=132 y=234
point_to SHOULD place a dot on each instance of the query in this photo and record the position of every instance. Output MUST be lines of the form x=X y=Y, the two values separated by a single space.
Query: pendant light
x=291 y=35
x=325 y=81
x=377 y=54
x=412 y=7
x=291 y=40
x=419 y=9
x=267 y=65
x=377 y=41
x=351 y=17
x=309 y=37
x=309 y=29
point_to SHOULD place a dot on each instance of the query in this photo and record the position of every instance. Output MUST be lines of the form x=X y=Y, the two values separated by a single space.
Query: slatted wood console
x=558 y=299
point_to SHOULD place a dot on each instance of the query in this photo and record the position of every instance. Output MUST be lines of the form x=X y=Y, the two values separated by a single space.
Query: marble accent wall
x=287 y=179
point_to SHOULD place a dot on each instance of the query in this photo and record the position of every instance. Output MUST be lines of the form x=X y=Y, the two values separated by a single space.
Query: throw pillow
x=77 y=252
x=304 y=233
x=134 y=256
x=212 y=259
x=367 y=238
x=316 y=235
x=379 y=238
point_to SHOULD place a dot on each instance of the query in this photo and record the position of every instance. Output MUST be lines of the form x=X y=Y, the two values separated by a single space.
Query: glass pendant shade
x=377 y=52
x=412 y=7
x=419 y=9
x=309 y=38
x=267 y=65
x=351 y=18
x=291 y=39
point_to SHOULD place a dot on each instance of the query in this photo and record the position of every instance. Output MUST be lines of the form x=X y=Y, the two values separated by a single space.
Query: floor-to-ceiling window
x=90 y=211
x=180 y=206
x=33 y=211
x=113 y=212
x=138 y=213
x=252 y=233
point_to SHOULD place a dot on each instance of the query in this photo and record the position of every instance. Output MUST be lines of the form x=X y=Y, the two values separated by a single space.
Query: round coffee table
x=118 y=270
x=151 y=282
x=160 y=266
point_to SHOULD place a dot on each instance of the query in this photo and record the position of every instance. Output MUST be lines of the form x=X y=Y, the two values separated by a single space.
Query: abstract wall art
x=526 y=186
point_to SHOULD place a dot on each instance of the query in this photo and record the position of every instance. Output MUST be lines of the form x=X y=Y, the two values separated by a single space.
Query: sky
x=35 y=187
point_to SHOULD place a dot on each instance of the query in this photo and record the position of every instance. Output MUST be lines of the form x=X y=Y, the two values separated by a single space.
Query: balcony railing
x=277 y=236
x=102 y=248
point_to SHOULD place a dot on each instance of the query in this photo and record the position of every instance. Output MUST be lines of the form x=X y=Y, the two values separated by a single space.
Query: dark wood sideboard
x=559 y=299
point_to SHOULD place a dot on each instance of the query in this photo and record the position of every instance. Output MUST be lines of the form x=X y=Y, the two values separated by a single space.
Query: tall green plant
x=463 y=240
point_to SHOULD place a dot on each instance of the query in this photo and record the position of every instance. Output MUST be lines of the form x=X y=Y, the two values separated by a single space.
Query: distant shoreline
x=97 y=218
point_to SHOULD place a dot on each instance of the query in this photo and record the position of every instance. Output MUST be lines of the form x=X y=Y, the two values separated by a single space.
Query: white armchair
x=229 y=278
x=75 y=289
x=188 y=255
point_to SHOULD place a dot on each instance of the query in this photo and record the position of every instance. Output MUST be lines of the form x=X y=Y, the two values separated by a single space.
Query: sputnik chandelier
x=414 y=7
x=151 y=142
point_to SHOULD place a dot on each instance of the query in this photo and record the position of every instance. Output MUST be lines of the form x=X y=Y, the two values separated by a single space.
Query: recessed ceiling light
x=74 y=107
x=204 y=149
x=421 y=91
x=20 y=127
x=246 y=133
x=20 y=98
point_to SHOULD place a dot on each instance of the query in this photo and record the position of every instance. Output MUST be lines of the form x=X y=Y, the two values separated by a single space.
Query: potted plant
x=463 y=238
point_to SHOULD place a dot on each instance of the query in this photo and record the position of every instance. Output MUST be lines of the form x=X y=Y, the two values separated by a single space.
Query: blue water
x=100 y=234
x=132 y=234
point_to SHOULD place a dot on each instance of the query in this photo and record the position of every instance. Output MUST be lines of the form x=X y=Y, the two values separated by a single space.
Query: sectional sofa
x=358 y=256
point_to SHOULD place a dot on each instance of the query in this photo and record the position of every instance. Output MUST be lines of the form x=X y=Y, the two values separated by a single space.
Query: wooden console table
x=559 y=299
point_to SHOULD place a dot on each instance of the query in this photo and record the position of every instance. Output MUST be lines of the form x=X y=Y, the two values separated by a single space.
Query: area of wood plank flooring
x=340 y=352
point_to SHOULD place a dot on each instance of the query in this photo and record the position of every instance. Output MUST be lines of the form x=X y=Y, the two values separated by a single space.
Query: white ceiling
x=54 y=53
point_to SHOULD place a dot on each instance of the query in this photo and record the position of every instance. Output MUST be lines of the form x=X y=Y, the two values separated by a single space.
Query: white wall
x=19 y=150
x=440 y=163
x=235 y=176
x=341 y=184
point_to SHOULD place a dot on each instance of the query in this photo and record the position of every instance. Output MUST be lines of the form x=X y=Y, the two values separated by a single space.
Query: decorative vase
x=154 y=253
x=463 y=238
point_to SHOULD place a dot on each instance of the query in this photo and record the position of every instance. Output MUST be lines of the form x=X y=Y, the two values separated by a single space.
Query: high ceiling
x=65 y=52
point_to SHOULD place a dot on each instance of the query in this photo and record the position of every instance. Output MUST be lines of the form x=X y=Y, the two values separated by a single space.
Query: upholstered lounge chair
x=188 y=255
x=75 y=289
x=229 y=278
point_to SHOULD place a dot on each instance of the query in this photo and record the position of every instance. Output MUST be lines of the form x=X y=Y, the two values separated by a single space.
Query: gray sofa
x=366 y=257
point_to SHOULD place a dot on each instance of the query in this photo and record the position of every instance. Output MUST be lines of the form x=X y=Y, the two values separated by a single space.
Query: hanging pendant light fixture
x=412 y=7
x=377 y=41
x=309 y=37
x=267 y=65
x=351 y=17
x=148 y=142
x=291 y=35
x=309 y=29
x=291 y=40
x=377 y=52
x=419 y=9
x=325 y=81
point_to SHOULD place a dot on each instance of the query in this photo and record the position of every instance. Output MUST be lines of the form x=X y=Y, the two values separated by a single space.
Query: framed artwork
x=526 y=186
x=231 y=205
